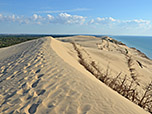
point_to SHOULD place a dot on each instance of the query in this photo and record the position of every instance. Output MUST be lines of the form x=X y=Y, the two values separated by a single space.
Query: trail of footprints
x=10 y=99
x=23 y=95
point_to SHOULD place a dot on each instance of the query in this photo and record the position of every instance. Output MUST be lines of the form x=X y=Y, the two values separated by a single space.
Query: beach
x=72 y=75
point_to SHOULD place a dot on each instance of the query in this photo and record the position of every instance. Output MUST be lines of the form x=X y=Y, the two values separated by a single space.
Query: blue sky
x=109 y=17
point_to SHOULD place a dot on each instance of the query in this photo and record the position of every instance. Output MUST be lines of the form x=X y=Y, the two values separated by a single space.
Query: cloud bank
x=62 y=18
x=68 y=19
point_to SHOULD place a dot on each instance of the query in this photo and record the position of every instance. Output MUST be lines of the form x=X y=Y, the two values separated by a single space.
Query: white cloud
x=64 y=15
x=71 y=19
x=136 y=24
x=50 y=17
x=37 y=19
x=64 y=18
x=103 y=21
x=112 y=19
x=100 y=19
x=35 y=16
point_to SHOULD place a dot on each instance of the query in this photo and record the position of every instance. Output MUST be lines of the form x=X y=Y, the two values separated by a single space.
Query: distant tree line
x=8 y=40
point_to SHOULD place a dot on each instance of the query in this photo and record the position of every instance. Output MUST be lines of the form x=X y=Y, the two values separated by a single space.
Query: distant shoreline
x=141 y=46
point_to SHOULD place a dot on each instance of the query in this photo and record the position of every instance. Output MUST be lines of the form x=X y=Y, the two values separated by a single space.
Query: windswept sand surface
x=114 y=57
x=44 y=76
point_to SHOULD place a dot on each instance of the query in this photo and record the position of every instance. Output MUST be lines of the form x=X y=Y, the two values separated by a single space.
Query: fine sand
x=44 y=76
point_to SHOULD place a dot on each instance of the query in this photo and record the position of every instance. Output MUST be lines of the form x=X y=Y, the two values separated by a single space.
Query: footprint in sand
x=33 y=108
x=40 y=92
x=41 y=75
x=35 y=83
x=20 y=80
x=12 y=76
x=38 y=71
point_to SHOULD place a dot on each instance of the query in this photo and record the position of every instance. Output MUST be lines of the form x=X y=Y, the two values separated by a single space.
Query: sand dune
x=44 y=76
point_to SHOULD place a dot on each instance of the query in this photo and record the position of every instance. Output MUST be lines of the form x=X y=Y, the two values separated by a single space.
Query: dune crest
x=43 y=77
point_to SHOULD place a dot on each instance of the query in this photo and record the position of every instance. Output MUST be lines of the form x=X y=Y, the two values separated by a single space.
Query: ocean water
x=142 y=43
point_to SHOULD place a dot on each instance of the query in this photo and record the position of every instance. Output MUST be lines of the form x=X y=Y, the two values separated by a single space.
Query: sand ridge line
x=57 y=87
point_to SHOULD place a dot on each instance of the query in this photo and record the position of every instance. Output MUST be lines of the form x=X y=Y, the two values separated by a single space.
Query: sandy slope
x=43 y=76
x=114 y=57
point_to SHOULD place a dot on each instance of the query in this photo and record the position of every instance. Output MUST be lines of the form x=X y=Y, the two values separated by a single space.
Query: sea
x=142 y=43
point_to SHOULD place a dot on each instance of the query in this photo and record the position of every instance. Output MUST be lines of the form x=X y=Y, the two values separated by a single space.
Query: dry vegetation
x=125 y=86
